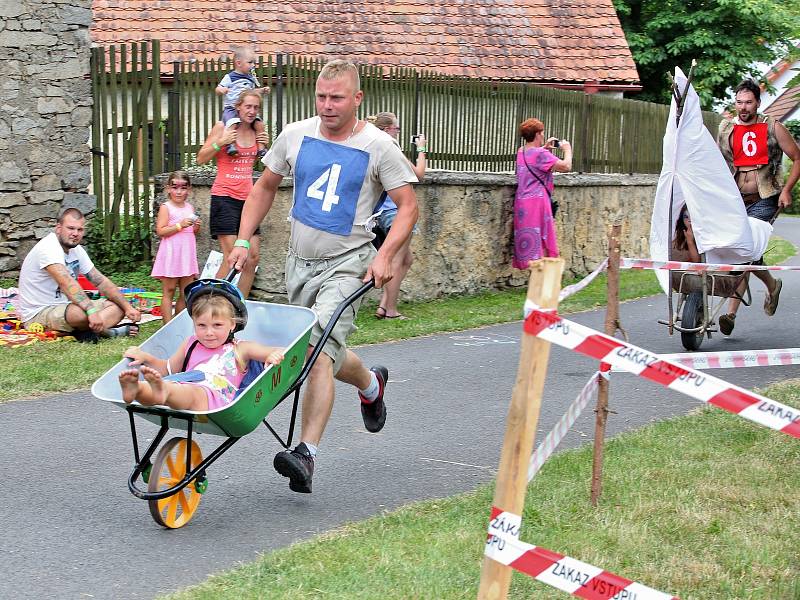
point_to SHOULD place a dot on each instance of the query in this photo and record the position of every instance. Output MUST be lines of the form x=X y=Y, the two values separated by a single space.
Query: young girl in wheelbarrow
x=218 y=311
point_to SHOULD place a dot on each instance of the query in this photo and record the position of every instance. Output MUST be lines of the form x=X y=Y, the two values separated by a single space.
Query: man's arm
x=790 y=149
x=112 y=293
x=407 y=214
x=73 y=290
x=68 y=284
x=256 y=207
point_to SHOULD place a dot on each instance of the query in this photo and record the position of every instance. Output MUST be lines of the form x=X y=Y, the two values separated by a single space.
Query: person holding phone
x=534 y=228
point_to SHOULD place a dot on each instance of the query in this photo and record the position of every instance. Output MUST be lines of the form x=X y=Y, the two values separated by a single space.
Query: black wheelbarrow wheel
x=691 y=318
x=169 y=469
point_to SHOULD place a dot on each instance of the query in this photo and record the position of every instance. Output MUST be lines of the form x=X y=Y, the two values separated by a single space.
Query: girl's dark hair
x=680 y=231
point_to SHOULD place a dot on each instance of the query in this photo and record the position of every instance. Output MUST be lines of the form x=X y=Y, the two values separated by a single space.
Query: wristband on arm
x=241 y=244
x=215 y=146
x=91 y=310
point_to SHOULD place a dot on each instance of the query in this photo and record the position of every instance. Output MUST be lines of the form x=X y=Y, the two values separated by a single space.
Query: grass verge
x=62 y=366
x=705 y=506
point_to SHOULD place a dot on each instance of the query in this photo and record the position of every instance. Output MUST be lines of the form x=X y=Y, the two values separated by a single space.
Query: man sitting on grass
x=49 y=292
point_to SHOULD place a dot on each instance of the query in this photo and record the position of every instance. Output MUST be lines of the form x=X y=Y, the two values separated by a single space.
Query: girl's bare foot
x=129 y=382
x=157 y=386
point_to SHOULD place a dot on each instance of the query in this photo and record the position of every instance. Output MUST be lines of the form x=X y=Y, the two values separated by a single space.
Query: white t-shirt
x=381 y=164
x=37 y=289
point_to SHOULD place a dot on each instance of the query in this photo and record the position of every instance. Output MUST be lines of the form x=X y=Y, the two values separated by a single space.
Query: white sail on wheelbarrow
x=695 y=173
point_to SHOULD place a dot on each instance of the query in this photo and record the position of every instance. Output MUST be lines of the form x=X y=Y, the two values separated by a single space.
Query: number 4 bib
x=327 y=183
x=750 y=145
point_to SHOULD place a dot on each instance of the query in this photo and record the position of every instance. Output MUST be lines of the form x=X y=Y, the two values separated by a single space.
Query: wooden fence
x=471 y=125
x=127 y=132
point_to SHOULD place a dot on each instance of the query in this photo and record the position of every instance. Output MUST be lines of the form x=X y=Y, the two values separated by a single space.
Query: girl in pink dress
x=534 y=228
x=176 y=260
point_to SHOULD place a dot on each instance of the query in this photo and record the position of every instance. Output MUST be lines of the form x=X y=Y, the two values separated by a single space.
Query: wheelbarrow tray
x=280 y=325
x=722 y=285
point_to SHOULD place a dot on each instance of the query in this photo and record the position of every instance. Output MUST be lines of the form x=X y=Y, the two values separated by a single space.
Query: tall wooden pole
x=611 y=326
x=523 y=415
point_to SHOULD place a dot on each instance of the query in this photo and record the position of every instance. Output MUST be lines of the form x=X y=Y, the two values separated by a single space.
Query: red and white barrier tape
x=553 y=439
x=627 y=357
x=577 y=287
x=735 y=359
x=563 y=572
x=674 y=265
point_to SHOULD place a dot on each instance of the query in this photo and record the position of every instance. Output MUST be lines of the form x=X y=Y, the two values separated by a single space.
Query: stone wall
x=464 y=243
x=45 y=115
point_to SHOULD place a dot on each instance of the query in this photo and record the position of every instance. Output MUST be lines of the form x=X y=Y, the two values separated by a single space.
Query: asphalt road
x=71 y=529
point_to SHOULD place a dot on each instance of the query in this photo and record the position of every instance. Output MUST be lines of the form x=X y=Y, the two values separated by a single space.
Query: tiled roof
x=570 y=41
x=784 y=104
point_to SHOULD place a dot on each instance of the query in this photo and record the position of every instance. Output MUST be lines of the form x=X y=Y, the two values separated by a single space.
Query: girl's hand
x=187 y=222
x=274 y=358
x=196 y=225
x=228 y=136
x=137 y=355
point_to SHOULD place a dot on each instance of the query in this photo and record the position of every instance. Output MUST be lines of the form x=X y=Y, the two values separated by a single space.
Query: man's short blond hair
x=338 y=68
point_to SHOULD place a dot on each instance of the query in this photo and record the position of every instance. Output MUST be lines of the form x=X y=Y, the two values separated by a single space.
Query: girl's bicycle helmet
x=201 y=287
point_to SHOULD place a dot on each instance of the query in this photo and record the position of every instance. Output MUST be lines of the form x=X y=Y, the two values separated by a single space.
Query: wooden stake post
x=611 y=326
x=523 y=416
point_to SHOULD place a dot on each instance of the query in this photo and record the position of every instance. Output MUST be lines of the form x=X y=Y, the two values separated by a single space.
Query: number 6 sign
x=749 y=144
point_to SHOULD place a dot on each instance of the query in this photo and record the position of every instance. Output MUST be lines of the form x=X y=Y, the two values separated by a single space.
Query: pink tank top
x=222 y=374
x=235 y=173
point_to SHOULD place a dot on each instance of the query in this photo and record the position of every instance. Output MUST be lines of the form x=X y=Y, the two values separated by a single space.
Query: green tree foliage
x=726 y=37
x=794 y=127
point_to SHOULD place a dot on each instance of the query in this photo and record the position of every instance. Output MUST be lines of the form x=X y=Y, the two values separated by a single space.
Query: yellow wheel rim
x=169 y=468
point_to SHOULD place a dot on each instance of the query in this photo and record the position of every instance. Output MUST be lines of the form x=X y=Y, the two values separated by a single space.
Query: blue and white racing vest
x=327 y=183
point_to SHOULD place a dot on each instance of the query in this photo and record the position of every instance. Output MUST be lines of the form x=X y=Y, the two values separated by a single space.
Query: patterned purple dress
x=534 y=230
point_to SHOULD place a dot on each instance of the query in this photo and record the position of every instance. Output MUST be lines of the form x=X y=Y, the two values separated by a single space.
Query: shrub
x=126 y=252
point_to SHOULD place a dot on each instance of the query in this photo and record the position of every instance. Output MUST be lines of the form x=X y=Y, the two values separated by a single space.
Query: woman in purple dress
x=534 y=230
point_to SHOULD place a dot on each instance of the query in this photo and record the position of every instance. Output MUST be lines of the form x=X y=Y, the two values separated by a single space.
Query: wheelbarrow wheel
x=169 y=469
x=691 y=317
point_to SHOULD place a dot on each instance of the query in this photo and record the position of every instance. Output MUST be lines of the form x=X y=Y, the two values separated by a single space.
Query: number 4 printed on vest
x=328 y=178
x=328 y=197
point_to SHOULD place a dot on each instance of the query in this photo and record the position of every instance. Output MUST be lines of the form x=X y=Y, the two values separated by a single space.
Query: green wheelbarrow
x=176 y=478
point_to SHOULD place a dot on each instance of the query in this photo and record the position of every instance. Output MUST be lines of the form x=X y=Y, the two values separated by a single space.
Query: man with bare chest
x=753 y=146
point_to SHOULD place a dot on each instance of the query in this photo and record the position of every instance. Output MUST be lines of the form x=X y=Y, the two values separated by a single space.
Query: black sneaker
x=298 y=466
x=232 y=150
x=374 y=413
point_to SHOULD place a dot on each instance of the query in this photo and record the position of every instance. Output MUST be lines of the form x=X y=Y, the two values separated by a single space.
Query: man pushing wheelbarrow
x=753 y=146
x=341 y=165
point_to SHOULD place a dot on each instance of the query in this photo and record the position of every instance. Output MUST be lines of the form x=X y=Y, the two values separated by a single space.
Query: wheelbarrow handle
x=343 y=305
